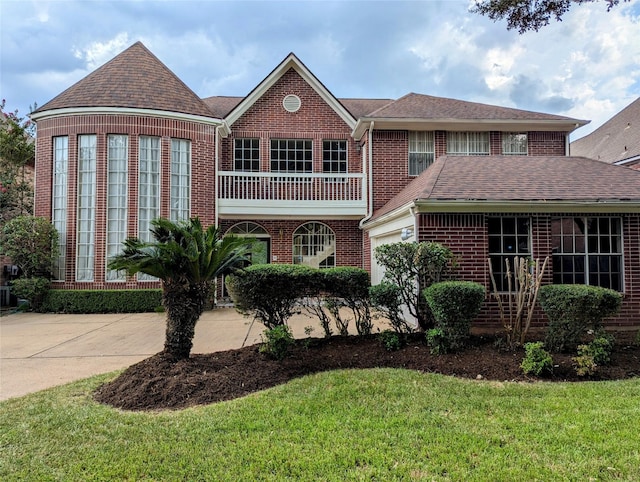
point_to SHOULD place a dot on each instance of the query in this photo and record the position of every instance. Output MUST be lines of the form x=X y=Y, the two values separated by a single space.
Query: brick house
x=322 y=181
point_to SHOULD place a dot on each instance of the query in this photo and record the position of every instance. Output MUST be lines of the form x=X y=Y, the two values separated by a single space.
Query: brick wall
x=466 y=235
x=202 y=139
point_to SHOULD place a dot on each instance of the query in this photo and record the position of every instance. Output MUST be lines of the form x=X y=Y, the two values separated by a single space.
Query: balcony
x=282 y=195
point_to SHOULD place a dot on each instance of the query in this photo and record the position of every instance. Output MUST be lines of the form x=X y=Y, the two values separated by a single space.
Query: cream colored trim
x=506 y=125
x=290 y=62
x=464 y=206
x=75 y=111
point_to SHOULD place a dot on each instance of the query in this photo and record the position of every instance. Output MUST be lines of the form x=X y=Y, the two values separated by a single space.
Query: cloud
x=98 y=53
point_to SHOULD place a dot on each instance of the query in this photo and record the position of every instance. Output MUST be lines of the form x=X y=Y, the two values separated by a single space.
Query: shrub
x=437 y=340
x=574 y=309
x=412 y=267
x=28 y=241
x=391 y=340
x=101 y=301
x=454 y=305
x=276 y=342
x=269 y=292
x=594 y=354
x=385 y=299
x=349 y=287
x=33 y=289
x=537 y=360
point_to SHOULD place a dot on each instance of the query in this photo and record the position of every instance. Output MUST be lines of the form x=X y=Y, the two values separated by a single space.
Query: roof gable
x=290 y=62
x=616 y=140
x=134 y=79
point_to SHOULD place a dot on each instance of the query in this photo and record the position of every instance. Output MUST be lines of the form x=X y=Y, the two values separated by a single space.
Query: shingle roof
x=221 y=105
x=133 y=79
x=519 y=178
x=419 y=106
x=616 y=140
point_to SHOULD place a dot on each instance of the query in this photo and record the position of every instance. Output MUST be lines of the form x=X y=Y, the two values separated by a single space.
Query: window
x=117 y=160
x=587 y=250
x=421 y=151
x=291 y=155
x=514 y=143
x=468 y=143
x=148 y=190
x=180 y=179
x=314 y=244
x=334 y=156
x=508 y=237
x=86 y=207
x=59 y=203
x=246 y=155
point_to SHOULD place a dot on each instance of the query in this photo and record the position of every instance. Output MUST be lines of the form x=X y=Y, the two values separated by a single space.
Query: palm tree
x=187 y=259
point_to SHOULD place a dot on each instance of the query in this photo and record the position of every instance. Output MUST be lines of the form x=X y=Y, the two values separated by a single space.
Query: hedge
x=101 y=301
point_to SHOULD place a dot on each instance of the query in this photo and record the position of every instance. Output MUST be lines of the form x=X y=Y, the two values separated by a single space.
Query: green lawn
x=381 y=424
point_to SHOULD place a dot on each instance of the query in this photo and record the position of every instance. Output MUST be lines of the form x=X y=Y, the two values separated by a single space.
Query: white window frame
x=86 y=222
x=511 y=245
x=117 y=200
x=585 y=247
x=515 y=143
x=310 y=239
x=149 y=172
x=335 y=156
x=59 y=203
x=246 y=154
x=291 y=155
x=180 y=198
x=421 y=151
x=468 y=143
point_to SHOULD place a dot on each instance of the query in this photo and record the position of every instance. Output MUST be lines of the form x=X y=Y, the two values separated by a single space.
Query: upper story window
x=587 y=250
x=468 y=143
x=246 y=155
x=508 y=237
x=180 y=200
x=291 y=155
x=86 y=222
x=117 y=188
x=421 y=151
x=334 y=156
x=514 y=143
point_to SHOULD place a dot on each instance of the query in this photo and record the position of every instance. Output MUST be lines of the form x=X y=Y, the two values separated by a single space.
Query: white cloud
x=97 y=53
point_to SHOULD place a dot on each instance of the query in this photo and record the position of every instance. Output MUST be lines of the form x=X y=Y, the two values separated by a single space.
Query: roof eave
x=75 y=111
x=449 y=124
x=524 y=206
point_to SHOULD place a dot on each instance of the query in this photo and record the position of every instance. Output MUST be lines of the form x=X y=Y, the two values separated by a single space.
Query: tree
x=17 y=150
x=187 y=259
x=525 y=15
x=412 y=267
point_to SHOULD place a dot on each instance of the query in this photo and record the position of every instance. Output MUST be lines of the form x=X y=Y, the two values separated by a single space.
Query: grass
x=381 y=424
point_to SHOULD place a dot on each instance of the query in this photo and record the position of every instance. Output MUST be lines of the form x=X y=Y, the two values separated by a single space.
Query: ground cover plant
x=378 y=424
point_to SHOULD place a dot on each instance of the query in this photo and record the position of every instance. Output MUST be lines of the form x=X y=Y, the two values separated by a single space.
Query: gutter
x=369 y=177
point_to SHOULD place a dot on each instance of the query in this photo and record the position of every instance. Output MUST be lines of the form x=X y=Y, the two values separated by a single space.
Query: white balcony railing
x=247 y=193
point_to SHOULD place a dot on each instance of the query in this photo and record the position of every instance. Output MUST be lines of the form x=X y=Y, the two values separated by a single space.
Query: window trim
x=277 y=162
x=251 y=161
x=415 y=141
x=339 y=151
x=180 y=212
x=144 y=222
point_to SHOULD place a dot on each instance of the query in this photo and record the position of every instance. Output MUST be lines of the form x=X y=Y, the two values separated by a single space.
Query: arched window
x=314 y=244
x=261 y=250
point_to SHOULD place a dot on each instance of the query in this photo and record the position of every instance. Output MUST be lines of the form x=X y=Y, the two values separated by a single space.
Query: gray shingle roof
x=519 y=178
x=419 y=106
x=133 y=79
x=616 y=140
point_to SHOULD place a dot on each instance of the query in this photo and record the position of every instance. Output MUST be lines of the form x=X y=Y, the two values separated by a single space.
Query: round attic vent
x=291 y=103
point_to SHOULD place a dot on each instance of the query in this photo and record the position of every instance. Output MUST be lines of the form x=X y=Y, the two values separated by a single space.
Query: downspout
x=369 y=176
x=215 y=177
x=567 y=145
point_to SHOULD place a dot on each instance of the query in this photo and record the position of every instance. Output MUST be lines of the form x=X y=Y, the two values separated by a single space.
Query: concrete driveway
x=38 y=351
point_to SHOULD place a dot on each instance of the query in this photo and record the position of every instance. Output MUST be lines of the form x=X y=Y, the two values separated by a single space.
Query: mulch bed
x=158 y=383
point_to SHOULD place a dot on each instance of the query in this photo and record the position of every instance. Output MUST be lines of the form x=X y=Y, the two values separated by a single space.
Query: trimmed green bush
x=348 y=287
x=385 y=299
x=537 y=361
x=574 y=309
x=269 y=292
x=101 y=301
x=454 y=305
x=276 y=342
x=33 y=289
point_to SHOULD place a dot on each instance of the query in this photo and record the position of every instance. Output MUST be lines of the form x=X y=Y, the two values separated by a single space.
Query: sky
x=585 y=67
